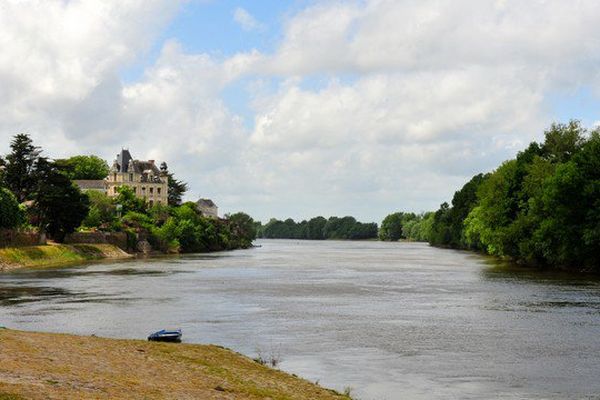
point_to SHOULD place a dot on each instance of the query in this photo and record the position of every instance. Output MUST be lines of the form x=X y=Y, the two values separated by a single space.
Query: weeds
x=273 y=359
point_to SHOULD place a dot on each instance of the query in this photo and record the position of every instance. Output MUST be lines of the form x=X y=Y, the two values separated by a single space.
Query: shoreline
x=37 y=365
x=57 y=255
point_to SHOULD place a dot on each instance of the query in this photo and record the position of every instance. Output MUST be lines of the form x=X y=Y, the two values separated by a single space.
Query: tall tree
x=242 y=226
x=391 y=227
x=176 y=188
x=58 y=204
x=19 y=173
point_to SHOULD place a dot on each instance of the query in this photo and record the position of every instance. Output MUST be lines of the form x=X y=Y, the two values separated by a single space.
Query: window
x=158 y=191
x=151 y=203
x=115 y=177
x=151 y=190
x=134 y=190
x=130 y=177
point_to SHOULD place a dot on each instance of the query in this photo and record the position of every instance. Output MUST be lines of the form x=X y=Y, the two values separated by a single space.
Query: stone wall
x=16 y=238
x=118 y=239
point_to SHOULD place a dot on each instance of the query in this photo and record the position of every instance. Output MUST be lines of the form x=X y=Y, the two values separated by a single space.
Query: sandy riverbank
x=57 y=366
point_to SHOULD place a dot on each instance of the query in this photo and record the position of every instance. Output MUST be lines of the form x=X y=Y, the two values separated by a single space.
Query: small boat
x=166 y=335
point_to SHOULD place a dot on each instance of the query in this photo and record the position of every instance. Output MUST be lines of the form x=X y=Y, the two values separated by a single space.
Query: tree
x=315 y=228
x=11 y=215
x=176 y=188
x=102 y=209
x=562 y=141
x=19 y=173
x=391 y=227
x=242 y=225
x=58 y=204
x=128 y=201
x=84 y=167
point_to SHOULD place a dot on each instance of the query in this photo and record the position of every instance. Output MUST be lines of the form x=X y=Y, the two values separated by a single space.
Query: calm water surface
x=390 y=320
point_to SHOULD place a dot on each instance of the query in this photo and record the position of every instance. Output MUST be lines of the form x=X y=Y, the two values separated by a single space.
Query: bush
x=11 y=215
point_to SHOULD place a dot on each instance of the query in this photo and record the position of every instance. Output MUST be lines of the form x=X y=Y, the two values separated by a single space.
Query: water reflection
x=14 y=295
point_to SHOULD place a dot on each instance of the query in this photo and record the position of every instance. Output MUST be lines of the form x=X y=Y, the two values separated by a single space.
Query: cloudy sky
x=300 y=108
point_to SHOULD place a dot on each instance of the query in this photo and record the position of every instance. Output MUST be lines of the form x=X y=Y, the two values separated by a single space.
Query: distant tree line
x=318 y=228
x=541 y=208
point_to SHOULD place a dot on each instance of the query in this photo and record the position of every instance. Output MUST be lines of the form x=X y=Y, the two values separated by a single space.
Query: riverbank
x=58 y=366
x=55 y=255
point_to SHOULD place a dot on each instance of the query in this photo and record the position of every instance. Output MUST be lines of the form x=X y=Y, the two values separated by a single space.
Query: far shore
x=37 y=365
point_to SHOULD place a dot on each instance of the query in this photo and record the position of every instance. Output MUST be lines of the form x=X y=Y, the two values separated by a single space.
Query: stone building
x=208 y=208
x=145 y=179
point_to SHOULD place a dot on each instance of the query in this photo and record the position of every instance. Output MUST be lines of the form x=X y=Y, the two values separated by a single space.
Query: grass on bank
x=56 y=254
x=57 y=366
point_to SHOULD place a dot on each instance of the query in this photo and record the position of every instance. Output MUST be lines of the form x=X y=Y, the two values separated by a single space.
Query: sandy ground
x=57 y=366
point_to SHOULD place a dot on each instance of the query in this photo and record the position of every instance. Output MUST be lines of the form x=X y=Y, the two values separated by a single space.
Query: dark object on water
x=166 y=336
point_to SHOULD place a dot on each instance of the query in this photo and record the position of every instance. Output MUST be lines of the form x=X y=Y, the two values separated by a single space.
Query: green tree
x=315 y=228
x=562 y=141
x=391 y=227
x=84 y=167
x=128 y=201
x=102 y=210
x=19 y=173
x=242 y=226
x=176 y=188
x=11 y=215
x=58 y=204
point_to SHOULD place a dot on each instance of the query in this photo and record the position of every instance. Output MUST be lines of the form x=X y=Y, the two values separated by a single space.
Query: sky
x=291 y=108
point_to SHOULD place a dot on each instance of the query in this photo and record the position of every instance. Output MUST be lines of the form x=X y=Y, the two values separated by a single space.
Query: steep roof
x=123 y=159
x=141 y=166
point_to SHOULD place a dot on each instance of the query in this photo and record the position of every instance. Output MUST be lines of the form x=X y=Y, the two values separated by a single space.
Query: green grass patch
x=56 y=254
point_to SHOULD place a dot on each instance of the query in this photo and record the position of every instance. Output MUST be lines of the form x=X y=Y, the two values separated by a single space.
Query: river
x=389 y=320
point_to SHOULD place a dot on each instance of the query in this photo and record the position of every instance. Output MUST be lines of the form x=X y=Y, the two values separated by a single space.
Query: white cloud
x=382 y=105
x=246 y=20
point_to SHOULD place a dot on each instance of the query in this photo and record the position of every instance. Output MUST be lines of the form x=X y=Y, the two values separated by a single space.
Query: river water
x=389 y=320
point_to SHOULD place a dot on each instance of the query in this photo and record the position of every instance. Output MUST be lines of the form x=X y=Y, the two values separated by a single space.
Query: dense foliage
x=541 y=208
x=11 y=215
x=408 y=226
x=84 y=167
x=169 y=229
x=56 y=206
x=319 y=228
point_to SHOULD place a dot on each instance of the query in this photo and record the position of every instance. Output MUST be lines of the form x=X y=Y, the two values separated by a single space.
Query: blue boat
x=166 y=335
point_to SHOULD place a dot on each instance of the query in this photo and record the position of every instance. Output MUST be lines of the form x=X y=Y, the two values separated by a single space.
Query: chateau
x=143 y=177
